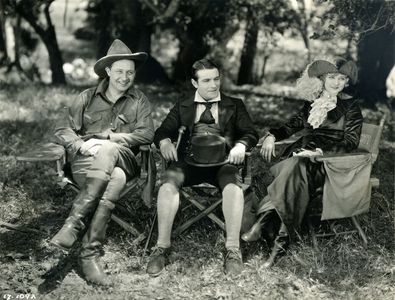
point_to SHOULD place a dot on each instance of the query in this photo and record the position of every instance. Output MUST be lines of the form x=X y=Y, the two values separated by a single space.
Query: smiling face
x=207 y=83
x=121 y=75
x=334 y=83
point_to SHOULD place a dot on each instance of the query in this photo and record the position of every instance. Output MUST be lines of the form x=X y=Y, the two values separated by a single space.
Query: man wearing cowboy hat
x=218 y=117
x=106 y=124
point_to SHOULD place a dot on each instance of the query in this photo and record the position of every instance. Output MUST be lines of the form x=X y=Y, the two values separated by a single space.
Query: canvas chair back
x=370 y=138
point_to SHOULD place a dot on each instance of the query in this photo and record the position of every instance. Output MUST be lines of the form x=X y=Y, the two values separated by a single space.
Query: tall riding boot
x=92 y=244
x=84 y=204
x=255 y=231
x=280 y=246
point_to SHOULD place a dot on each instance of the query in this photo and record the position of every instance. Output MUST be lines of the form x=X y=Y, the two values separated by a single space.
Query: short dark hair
x=202 y=64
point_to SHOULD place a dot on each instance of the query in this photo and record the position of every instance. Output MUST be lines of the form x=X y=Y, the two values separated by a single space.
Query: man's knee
x=109 y=148
x=168 y=188
x=174 y=177
x=229 y=174
x=118 y=175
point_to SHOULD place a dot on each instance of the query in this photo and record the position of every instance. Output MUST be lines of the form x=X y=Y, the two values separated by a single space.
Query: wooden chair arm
x=44 y=152
x=336 y=157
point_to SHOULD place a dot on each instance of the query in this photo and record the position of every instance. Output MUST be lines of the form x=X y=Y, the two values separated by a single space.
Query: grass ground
x=29 y=197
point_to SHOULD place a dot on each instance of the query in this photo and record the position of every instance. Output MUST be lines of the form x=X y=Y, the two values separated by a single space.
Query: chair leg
x=212 y=216
x=147 y=242
x=125 y=225
x=312 y=233
x=204 y=213
x=360 y=231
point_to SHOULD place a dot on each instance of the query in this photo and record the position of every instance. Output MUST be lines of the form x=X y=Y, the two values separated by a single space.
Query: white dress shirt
x=200 y=108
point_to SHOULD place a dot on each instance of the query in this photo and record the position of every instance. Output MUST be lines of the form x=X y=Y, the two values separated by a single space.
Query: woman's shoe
x=255 y=232
x=280 y=247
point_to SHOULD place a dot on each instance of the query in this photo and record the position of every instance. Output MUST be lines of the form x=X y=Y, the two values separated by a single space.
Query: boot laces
x=233 y=254
x=158 y=251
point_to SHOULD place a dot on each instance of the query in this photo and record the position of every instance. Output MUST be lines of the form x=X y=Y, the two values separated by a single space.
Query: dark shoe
x=280 y=247
x=95 y=235
x=157 y=261
x=93 y=272
x=68 y=234
x=255 y=232
x=233 y=261
x=84 y=204
x=92 y=244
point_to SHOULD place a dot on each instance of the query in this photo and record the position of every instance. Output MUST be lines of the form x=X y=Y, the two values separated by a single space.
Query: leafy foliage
x=360 y=16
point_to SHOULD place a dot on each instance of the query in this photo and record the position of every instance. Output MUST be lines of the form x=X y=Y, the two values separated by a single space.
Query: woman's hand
x=309 y=153
x=268 y=148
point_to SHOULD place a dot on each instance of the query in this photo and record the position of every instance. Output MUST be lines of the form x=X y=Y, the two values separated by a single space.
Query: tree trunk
x=48 y=36
x=55 y=57
x=246 y=69
x=265 y=59
x=375 y=63
x=190 y=51
x=104 y=36
x=3 y=45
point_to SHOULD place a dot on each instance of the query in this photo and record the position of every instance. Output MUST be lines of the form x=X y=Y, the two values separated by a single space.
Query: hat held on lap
x=207 y=151
x=118 y=51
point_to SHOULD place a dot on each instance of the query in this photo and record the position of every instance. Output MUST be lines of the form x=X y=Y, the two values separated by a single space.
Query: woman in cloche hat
x=331 y=121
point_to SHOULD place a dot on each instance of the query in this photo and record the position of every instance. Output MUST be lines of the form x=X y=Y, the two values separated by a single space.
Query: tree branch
x=31 y=19
x=151 y=6
x=47 y=14
x=162 y=16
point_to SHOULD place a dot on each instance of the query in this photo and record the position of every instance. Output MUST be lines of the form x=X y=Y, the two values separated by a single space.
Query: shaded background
x=258 y=42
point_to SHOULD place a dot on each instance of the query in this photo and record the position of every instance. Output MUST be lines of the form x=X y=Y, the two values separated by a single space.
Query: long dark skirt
x=295 y=180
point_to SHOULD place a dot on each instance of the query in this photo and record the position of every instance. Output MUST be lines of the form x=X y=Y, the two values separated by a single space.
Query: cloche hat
x=342 y=66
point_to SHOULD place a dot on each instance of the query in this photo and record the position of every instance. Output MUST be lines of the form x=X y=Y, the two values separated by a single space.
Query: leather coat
x=340 y=132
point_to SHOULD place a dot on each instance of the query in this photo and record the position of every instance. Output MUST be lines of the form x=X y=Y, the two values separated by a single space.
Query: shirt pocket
x=92 y=122
x=126 y=123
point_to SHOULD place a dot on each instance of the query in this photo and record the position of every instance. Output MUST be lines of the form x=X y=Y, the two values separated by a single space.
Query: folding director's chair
x=207 y=210
x=146 y=179
x=368 y=146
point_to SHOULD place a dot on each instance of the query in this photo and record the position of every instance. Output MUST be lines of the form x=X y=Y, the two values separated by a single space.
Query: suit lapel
x=226 y=109
x=187 y=113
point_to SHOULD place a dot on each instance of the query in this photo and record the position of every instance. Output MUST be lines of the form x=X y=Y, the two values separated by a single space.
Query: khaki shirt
x=127 y=122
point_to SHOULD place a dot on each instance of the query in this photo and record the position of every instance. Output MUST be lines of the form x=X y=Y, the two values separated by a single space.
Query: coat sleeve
x=295 y=124
x=144 y=129
x=170 y=125
x=247 y=134
x=67 y=128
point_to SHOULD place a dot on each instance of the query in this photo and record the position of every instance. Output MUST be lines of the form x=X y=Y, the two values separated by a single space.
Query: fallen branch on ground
x=20 y=228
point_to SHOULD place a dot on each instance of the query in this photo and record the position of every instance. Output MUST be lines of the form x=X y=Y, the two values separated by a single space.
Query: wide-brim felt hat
x=207 y=151
x=342 y=66
x=190 y=161
x=118 y=51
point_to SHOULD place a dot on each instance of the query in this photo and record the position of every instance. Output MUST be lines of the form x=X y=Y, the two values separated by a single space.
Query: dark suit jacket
x=340 y=132
x=234 y=121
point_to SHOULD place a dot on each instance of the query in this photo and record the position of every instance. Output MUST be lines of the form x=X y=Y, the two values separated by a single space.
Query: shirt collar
x=200 y=99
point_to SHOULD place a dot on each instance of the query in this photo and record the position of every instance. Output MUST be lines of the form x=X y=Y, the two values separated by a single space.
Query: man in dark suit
x=209 y=112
